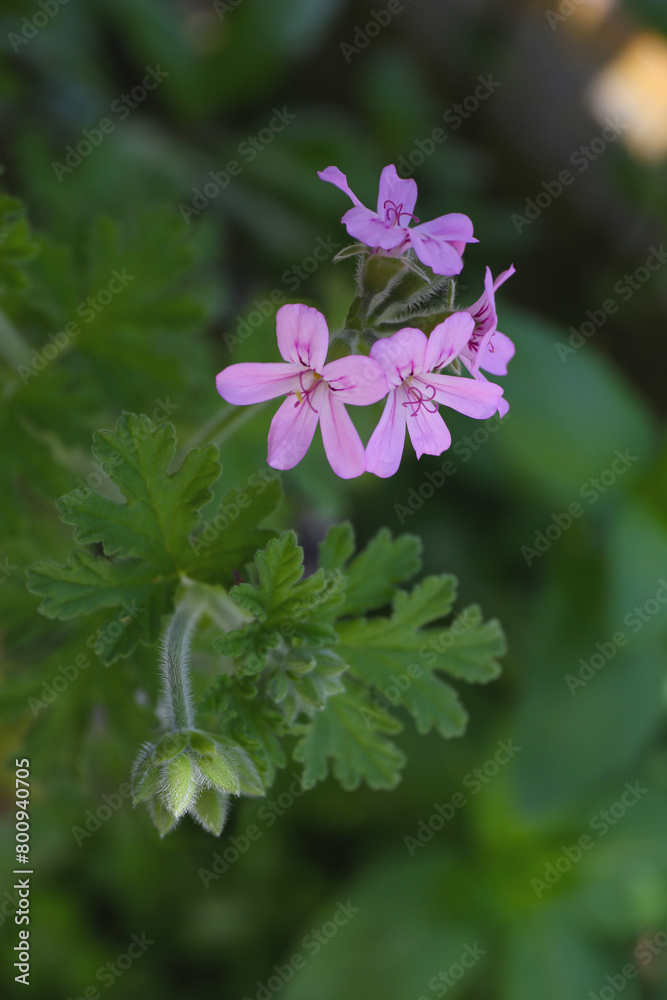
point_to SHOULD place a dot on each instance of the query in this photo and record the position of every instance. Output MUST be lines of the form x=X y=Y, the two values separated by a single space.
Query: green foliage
x=281 y=601
x=17 y=244
x=330 y=675
x=352 y=736
x=146 y=540
x=295 y=659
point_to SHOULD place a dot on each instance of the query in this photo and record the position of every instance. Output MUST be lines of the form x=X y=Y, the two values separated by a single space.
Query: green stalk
x=224 y=424
x=179 y=709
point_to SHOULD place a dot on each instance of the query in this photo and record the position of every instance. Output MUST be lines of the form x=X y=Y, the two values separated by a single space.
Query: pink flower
x=488 y=348
x=438 y=244
x=410 y=360
x=315 y=392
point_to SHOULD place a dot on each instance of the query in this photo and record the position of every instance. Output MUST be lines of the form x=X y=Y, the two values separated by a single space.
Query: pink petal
x=454 y=228
x=484 y=306
x=497 y=355
x=372 y=230
x=428 y=432
x=384 y=450
x=396 y=192
x=254 y=382
x=448 y=339
x=356 y=379
x=436 y=253
x=503 y=276
x=303 y=336
x=292 y=429
x=503 y=405
x=484 y=313
x=342 y=443
x=335 y=176
x=475 y=398
x=401 y=355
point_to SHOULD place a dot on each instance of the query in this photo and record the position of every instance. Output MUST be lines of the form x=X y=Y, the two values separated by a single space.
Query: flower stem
x=179 y=710
x=225 y=423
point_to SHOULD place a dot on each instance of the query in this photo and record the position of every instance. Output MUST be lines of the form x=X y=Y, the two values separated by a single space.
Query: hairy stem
x=179 y=710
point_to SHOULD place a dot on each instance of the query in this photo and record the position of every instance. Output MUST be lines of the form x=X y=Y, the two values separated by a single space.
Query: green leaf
x=221 y=550
x=87 y=583
x=249 y=722
x=161 y=508
x=304 y=681
x=285 y=606
x=337 y=547
x=398 y=658
x=372 y=576
x=350 y=733
x=146 y=537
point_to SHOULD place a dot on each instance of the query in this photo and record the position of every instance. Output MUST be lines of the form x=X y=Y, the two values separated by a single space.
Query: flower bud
x=201 y=743
x=210 y=810
x=179 y=784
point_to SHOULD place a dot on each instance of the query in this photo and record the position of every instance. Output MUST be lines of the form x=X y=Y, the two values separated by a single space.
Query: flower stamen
x=306 y=392
x=419 y=400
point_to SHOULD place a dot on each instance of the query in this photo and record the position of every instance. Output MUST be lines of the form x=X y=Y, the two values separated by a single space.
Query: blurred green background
x=358 y=93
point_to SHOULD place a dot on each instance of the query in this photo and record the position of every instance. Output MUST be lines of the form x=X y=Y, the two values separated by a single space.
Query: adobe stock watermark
x=365 y=33
x=256 y=484
x=93 y=821
x=624 y=289
x=445 y=980
x=648 y=948
x=600 y=824
x=162 y=411
x=324 y=250
x=474 y=781
x=300 y=613
x=465 y=449
x=581 y=159
x=31 y=26
x=267 y=814
x=111 y=972
x=222 y=7
x=454 y=117
x=566 y=9
x=105 y=635
x=120 y=109
x=88 y=310
x=247 y=151
x=590 y=491
x=391 y=694
x=7 y=569
x=606 y=651
x=312 y=943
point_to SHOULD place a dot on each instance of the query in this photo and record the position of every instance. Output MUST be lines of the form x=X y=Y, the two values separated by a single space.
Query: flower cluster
x=406 y=366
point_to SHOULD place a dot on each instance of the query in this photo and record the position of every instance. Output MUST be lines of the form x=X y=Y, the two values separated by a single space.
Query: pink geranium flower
x=316 y=392
x=488 y=348
x=411 y=361
x=438 y=244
